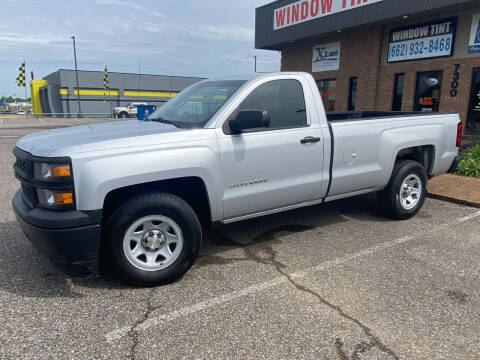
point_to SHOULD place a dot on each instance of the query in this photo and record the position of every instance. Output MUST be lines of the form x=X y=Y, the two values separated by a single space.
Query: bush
x=470 y=164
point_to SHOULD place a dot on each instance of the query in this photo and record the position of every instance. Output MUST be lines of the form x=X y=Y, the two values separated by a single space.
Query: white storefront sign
x=326 y=57
x=474 y=45
x=422 y=41
x=307 y=10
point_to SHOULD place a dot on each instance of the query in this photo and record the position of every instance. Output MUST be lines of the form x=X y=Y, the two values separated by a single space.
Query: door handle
x=310 y=139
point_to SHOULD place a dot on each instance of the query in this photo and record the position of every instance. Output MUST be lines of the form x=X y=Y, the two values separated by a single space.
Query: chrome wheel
x=411 y=191
x=153 y=243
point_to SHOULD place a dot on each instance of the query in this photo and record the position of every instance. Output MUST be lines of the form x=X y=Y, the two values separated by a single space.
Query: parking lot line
x=469 y=217
x=203 y=305
x=115 y=335
x=9 y=136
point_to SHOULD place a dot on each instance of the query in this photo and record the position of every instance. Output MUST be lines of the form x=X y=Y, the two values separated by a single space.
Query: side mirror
x=249 y=119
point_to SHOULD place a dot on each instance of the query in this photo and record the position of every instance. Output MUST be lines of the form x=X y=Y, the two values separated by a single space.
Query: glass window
x=328 y=91
x=429 y=86
x=473 y=121
x=284 y=101
x=352 y=94
x=398 y=92
x=194 y=106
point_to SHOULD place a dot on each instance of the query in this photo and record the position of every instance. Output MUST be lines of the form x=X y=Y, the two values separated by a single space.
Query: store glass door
x=473 y=120
x=429 y=88
x=328 y=89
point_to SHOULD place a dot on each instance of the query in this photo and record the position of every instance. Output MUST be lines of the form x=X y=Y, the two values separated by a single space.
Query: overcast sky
x=172 y=37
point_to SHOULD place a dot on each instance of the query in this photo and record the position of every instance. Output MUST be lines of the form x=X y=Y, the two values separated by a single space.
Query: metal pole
x=76 y=74
x=138 y=87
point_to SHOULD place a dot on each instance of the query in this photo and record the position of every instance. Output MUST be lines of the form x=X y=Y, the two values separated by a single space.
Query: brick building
x=400 y=55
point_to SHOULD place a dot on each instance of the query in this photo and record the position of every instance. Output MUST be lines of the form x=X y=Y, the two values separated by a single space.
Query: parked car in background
x=127 y=111
x=21 y=112
x=141 y=192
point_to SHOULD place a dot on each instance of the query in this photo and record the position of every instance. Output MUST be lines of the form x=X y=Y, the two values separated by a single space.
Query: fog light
x=54 y=198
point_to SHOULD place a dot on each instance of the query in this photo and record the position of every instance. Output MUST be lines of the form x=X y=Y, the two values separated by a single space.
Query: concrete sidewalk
x=454 y=188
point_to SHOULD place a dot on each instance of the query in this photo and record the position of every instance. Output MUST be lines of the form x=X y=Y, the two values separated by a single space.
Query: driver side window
x=284 y=101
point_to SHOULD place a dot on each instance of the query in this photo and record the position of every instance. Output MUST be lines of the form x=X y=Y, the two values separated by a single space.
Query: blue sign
x=477 y=37
x=422 y=41
x=474 y=45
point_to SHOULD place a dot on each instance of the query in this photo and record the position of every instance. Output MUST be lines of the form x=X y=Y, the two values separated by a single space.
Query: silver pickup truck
x=138 y=195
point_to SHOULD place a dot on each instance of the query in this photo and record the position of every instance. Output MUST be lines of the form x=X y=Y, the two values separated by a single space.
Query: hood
x=65 y=141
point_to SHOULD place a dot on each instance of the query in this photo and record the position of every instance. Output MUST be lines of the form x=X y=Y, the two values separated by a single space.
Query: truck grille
x=22 y=165
x=29 y=194
x=23 y=168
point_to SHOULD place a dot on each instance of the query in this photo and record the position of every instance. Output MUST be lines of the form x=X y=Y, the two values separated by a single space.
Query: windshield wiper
x=165 y=121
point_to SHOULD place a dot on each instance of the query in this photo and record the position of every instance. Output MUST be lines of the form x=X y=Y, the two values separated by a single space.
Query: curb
x=454 y=200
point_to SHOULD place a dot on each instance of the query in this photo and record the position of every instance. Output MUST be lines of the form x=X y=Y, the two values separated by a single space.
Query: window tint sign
x=474 y=45
x=326 y=57
x=422 y=41
x=307 y=10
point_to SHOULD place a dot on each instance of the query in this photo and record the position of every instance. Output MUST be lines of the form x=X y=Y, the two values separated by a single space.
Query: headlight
x=52 y=171
x=55 y=198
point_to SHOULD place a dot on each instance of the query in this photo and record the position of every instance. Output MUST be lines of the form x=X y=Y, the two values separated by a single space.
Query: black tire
x=389 y=198
x=141 y=206
x=124 y=115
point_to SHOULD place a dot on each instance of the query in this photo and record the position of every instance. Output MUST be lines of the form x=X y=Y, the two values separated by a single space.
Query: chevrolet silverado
x=138 y=195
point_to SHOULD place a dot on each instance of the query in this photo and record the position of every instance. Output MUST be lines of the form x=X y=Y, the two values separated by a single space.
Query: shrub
x=470 y=164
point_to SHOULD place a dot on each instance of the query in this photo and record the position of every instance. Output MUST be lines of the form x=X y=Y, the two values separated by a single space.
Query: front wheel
x=405 y=193
x=153 y=239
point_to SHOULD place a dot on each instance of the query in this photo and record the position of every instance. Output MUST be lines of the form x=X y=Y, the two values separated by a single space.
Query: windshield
x=193 y=107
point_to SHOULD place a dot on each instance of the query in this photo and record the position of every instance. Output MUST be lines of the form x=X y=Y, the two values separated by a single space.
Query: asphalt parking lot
x=337 y=281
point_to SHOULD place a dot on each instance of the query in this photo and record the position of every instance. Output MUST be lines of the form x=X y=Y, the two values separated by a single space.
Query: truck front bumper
x=71 y=240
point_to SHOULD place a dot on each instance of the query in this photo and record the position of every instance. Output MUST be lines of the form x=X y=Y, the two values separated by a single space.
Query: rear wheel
x=405 y=193
x=153 y=239
x=123 y=115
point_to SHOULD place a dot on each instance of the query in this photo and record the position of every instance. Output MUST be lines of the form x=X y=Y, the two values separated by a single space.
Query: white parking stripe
x=197 y=307
x=41 y=120
x=469 y=217
x=9 y=137
x=203 y=305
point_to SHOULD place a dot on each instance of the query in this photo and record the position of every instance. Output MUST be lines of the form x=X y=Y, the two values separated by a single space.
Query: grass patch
x=470 y=164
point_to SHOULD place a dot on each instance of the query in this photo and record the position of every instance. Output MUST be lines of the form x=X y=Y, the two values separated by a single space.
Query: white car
x=21 y=112
x=127 y=111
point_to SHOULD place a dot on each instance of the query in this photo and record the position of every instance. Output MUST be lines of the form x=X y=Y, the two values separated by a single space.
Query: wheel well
x=190 y=189
x=424 y=154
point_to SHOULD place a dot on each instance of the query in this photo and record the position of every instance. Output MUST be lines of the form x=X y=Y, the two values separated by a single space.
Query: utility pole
x=76 y=74
x=138 y=83
x=255 y=63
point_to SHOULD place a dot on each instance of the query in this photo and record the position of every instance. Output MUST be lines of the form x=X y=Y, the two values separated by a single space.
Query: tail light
x=459 y=133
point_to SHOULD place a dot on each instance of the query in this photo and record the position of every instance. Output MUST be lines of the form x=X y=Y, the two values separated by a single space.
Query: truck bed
x=364 y=152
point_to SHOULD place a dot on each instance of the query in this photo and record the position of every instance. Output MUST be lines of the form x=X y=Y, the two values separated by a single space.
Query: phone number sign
x=422 y=41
